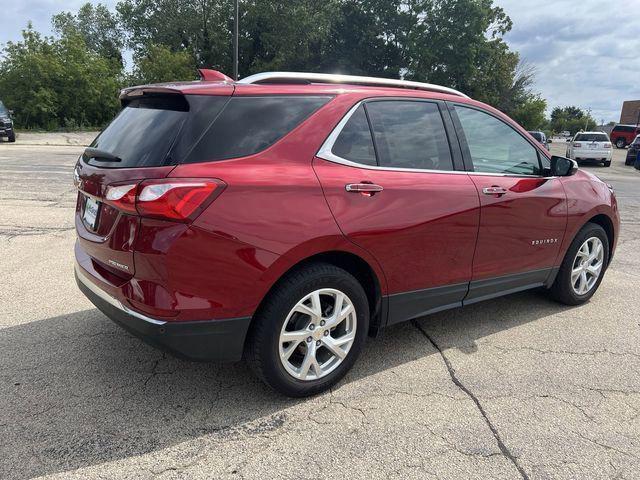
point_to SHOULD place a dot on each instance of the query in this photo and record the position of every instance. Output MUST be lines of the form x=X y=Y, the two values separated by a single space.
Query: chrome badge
x=544 y=241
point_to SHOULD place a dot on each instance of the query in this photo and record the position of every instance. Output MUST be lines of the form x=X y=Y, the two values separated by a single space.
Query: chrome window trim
x=325 y=153
x=112 y=300
x=282 y=77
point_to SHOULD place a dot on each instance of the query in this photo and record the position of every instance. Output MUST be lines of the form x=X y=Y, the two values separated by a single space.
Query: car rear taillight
x=577 y=145
x=177 y=199
x=607 y=145
x=123 y=197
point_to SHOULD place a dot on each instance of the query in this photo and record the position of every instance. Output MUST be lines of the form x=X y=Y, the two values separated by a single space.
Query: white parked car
x=590 y=146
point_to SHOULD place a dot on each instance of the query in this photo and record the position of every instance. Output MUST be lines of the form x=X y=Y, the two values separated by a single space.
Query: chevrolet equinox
x=285 y=217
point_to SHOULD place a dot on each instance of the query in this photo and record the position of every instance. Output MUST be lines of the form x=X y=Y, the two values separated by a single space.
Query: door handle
x=494 y=190
x=363 y=187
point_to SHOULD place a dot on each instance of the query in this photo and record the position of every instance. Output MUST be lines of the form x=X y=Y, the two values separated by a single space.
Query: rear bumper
x=589 y=154
x=206 y=340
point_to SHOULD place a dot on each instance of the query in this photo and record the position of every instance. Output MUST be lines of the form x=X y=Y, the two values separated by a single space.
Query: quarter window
x=248 y=125
x=409 y=134
x=354 y=142
x=495 y=147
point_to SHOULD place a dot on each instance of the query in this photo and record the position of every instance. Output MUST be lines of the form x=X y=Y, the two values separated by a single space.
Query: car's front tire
x=12 y=137
x=583 y=266
x=309 y=331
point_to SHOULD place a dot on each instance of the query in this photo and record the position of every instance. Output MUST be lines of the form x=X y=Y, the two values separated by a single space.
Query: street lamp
x=235 y=39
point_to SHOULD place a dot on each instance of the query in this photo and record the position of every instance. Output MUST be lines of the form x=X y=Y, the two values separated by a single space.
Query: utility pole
x=586 y=120
x=236 y=20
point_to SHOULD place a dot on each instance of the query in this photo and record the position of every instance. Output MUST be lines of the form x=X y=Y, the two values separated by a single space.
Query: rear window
x=248 y=125
x=143 y=132
x=591 y=137
x=623 y=128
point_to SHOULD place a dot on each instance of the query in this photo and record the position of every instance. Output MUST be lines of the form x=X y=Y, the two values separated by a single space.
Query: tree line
x=71 y=79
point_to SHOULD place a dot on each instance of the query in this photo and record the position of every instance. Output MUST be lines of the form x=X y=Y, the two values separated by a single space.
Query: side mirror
x=10 y=112
x=563 y=167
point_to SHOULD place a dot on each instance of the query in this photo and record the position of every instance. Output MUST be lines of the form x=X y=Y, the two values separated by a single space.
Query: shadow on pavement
x=78 y=391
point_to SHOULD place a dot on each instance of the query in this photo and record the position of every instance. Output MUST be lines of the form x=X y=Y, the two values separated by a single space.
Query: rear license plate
x=90 y=216
x=593 y=146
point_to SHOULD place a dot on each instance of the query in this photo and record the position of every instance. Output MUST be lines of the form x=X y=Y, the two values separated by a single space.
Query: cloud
x=584 y=53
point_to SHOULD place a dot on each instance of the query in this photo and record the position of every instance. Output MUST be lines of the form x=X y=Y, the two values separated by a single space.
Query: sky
x=585 y=52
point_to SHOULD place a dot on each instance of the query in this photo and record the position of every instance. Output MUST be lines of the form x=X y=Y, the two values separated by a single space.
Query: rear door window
x=409 y=134
x=494 y=146
x=248 y=125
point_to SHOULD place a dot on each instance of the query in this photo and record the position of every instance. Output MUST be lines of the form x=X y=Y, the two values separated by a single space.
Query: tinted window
x=495 y=147
x=539 y=136
x=248 y=125
x=355 y=142
x=143 y=131
x=591 y=137
x=410 y=134
x=623 y=128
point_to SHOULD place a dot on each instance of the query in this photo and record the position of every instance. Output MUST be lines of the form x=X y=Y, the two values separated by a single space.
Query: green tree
x=97 y=26
x=52 y=83
x=571 y=119
x=200 y=27
x=365 y=38
x=531 y=113
x=160 y=64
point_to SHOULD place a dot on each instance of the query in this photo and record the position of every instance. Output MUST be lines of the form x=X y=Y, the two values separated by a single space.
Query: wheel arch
x=607 y=224
x=356 y=266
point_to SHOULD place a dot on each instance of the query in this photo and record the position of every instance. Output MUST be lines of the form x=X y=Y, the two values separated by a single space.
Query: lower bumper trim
x=206 y=340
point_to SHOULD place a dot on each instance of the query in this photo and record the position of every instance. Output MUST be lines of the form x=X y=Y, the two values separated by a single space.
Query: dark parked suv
x=6 y=124
x=285 y=217
x=632 y=153
x=623 y=135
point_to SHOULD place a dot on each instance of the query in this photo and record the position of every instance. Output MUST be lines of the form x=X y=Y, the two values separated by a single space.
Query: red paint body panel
x=533 y=209
x=422 y=227
x=588 y=196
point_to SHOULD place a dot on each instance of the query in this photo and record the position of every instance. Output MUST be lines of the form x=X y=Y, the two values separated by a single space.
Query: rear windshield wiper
x=101 y=155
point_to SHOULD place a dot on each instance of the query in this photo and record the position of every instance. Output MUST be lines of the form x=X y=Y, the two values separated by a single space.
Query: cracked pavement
x=519 y=387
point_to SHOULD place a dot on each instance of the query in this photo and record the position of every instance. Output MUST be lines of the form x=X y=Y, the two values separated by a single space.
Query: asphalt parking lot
x=519 y=387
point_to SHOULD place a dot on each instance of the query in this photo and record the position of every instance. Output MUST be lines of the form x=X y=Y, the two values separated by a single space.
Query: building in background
x=630 y=114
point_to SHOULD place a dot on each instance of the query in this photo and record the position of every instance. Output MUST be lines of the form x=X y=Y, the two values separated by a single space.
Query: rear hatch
x=586 y=144
x=154 y=130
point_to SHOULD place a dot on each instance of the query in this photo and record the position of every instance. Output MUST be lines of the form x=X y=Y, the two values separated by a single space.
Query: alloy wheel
x=317 y=334
x=587 y=266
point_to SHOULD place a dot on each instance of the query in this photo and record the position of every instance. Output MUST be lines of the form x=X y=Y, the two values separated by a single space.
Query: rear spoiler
x=206 y=76
x=137 y=92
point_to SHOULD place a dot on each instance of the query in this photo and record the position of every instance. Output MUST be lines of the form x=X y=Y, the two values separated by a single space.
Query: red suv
x=285 y=217
x=623 y=135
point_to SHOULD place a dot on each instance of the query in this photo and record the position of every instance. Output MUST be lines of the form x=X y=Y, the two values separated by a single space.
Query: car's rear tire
x=583 y=266
x=308 y=306
x=620 y=143
x=607 y=163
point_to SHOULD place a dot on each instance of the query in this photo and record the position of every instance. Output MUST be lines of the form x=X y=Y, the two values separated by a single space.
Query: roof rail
x=300 y=77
